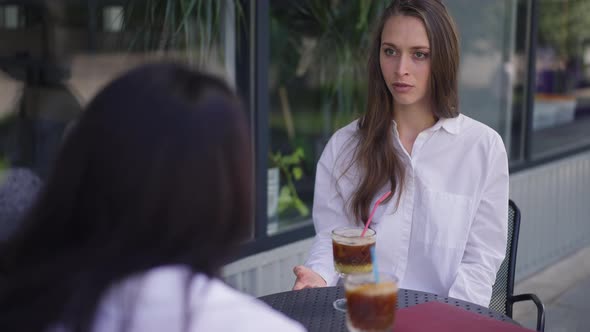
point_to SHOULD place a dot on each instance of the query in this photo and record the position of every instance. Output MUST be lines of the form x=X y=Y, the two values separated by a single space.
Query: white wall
x=554 y=200
x=268 y=272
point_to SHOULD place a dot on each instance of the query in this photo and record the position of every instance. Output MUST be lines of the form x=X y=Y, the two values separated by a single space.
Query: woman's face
x=405 y=60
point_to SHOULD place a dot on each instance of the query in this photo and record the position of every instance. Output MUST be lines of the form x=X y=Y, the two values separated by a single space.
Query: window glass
x=490 y=69
x=316 y=85
x=55 y=56
x=561 y=115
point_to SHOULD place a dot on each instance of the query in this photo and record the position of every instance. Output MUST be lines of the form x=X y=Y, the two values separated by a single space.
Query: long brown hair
x=375 y=154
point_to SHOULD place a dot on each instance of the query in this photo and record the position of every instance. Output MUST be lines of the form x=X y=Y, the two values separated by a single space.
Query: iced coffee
x=371 y=306
x=352 y=253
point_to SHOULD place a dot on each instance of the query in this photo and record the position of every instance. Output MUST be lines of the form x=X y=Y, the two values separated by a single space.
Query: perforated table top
x=313 y=307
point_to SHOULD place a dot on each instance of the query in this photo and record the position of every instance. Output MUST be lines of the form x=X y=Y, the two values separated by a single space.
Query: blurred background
x=299 y=65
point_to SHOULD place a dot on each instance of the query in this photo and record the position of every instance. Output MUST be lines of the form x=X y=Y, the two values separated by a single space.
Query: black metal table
x=313 y=308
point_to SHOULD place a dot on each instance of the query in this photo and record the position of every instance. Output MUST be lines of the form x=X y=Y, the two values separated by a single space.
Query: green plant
x=325 y=43
x=291 y=171
x=194 y=26
x=564 y=32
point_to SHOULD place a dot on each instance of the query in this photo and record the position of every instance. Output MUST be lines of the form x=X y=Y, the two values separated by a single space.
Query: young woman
x=444 y=230
x=149 y=195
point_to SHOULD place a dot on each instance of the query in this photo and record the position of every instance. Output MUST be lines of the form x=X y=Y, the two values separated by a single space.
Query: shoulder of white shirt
x=216 y=306
x=462 y=124
x=475 y=131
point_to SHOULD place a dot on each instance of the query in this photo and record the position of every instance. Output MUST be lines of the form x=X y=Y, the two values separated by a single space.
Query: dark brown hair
x=375 y=154
x=157 y=172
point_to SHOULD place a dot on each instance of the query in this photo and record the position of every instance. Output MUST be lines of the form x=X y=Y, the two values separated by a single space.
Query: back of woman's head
x=156 y=172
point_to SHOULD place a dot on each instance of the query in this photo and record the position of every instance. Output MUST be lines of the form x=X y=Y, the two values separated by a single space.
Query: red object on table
x=441 y=317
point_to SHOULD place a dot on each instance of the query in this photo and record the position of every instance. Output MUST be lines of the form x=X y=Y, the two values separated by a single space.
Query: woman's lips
x=402 y=87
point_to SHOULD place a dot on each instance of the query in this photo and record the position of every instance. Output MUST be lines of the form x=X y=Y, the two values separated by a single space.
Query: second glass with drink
x=371 y=302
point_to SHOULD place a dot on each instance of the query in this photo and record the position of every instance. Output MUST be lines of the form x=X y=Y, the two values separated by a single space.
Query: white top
x=163 y=298
x=448 y=235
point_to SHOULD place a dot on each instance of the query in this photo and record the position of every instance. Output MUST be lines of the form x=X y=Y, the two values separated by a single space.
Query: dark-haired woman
x=444 y=229
x=149 y=195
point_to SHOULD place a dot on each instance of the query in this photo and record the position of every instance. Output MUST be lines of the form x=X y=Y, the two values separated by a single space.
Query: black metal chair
x=503 y=289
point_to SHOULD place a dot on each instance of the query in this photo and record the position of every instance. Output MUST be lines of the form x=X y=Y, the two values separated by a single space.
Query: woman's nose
x=401 y=68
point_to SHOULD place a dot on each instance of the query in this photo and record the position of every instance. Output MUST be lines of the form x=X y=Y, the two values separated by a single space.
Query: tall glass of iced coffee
x=371 y=303
x=352 y=253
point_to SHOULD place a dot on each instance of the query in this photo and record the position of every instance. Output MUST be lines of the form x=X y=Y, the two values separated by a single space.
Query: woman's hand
x=307 y=278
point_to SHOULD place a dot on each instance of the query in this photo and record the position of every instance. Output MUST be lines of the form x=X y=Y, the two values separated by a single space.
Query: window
x=10 y=16
x=56 y=55
x=300 y=65
x=316 y=85
x=486 y=74
x=561 y=113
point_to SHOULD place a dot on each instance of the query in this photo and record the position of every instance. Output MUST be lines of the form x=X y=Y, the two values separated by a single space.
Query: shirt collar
x=450 y=125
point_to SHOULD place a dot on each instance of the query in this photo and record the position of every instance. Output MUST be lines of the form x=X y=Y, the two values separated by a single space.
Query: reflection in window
x=493 y=72
x=317 y=85
x=59 y=53
x=561 y=117
x=113 y=18
x=488 y=61
x=11 y=17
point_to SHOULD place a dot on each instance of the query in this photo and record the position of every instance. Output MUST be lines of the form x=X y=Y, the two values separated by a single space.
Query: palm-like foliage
x=190 y=25
x=318 y=61
x=326 y=42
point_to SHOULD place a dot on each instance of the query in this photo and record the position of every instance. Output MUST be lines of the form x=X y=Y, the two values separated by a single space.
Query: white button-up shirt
x=167 y=297
x=448 y=235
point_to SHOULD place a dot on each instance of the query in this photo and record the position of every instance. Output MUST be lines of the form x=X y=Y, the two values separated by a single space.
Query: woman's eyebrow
x=413 y=47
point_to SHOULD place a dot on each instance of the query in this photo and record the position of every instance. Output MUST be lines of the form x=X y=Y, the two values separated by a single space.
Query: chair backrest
x=504 y=285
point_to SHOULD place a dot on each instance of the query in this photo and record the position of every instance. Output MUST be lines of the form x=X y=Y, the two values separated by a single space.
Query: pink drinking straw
x=379 y=201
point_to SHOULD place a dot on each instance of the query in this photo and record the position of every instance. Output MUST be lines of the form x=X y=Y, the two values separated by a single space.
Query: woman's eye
x=390 y=51
x=421 y=55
